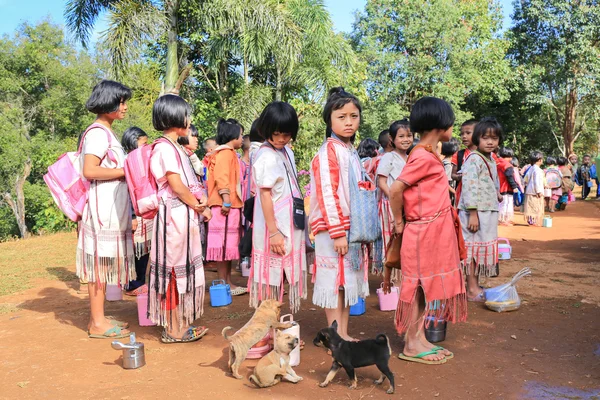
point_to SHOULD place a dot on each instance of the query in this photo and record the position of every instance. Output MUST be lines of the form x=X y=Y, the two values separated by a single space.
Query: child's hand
x=500 y=199
x=387 y=281
x=340 y=245
x=134 y=224
x=399 y=226
x=473 y=221
x=207 y=214
x=538 y=195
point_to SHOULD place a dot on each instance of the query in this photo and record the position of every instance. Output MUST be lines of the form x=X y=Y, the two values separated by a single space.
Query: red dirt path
x=45 y=353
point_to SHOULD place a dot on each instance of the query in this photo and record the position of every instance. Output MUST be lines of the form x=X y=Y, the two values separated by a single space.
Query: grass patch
x=40 y=257
x=7 y=308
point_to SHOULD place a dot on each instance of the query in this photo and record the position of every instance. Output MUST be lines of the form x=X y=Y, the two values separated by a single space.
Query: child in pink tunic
x=432 y=286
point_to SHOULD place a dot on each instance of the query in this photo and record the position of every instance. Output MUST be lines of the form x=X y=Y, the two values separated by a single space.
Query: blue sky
x=15 y=12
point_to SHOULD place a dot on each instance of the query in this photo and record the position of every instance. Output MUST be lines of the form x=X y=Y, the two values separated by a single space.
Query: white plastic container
x=547 y=222
x=504 y=249
x=114 y=293
x=294 y=330
x=245 y=266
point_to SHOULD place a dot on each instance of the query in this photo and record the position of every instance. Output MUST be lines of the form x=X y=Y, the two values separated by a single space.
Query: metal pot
x=437 y=333
x=133 y=353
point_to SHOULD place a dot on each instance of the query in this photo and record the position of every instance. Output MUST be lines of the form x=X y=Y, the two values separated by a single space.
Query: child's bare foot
x=431 y=346
x=419 y=348
x=349 y=338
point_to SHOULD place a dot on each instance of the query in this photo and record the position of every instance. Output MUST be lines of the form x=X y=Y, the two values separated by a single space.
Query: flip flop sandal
x=135 y=292
x=238 y=291
x=192 y=334
x=112 y=333
x=116 y=322
x=480 y=298
x=448 y=357
x=419 y=358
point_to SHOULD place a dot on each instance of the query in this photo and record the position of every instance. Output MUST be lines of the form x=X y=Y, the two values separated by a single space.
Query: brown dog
x=275 y=365
x=265 y=318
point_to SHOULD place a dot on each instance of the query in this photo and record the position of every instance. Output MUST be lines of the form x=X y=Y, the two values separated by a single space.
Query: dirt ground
x=548 y=349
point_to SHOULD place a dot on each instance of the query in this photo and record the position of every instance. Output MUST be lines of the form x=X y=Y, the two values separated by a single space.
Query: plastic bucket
x=504 y=249
x=114 y=293
x=359 y=308
x=260 y=351
x=295 y=331
x=220 y=294
x=142 y=306
x=388 y=302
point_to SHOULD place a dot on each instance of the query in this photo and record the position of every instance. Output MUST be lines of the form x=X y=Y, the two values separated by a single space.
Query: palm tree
x=132 y=23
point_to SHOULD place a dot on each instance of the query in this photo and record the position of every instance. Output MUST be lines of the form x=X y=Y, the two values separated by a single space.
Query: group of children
x=446 y=204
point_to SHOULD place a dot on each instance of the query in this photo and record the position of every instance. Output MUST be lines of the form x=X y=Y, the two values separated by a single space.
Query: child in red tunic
x=432 y=286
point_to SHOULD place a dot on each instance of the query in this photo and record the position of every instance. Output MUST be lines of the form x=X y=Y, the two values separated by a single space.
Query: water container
x=388 y=302
x=359 y=308
x=142 y=306
x=547 y=222
x=504 y=249
x=245 y=266
x=220 y=293
x=295 y=331
x=436 y=333
x=114 y=293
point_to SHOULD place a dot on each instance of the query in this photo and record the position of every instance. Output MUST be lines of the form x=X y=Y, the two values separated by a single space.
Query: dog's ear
x=334 y=325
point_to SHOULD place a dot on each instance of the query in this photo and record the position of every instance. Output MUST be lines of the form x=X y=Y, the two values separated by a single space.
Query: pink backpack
x=66 y=182
x=143 y=189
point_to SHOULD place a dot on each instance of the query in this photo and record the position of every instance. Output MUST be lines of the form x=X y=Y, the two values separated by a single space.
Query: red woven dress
x=430 y=256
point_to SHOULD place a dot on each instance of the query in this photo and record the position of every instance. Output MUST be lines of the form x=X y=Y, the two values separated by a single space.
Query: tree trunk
x=172 y=70
x=568 y=131
x=223 y=84
x=246 y=78
x=18 y=206
x=278 y=89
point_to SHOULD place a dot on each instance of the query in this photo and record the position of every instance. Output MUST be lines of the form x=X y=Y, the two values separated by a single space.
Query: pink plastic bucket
x=114 y=293
x=142 y=306
x=259 y=352
x=388 y=302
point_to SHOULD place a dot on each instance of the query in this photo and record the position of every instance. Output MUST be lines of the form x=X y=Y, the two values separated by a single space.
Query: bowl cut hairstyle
x=183 y=140
x=107 y=96
x=487 y=125
x=550 y=160
x=395 y=126
x=384 y=138
x=254 y=134
x=129 y=141
x=562 y=161
x=430 y=113
x=278 y=117
x=337 y=99
x=514 y=162
x=368 y=148
x=170 y=111
x=535 y=156
x=506 y=152
x=468 y=122
x=228 y=130
x=450 y=147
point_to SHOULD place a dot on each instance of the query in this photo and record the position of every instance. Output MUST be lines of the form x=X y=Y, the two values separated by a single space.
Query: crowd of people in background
x=242 y=203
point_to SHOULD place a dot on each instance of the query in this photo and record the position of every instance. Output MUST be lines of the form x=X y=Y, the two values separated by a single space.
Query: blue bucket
x=220 y=293
x=359 y=308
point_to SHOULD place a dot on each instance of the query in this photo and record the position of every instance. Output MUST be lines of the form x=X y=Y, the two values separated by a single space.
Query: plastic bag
x=505 y=297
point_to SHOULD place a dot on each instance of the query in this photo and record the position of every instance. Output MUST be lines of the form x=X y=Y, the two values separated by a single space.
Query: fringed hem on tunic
x=325 y=298
x=485 y=257
x=452 y=310
x=190 y=307
x=260 y=292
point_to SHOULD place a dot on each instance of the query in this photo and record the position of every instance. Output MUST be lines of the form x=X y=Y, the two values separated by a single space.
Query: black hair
x=183 y=140
x=450 y=147
x=562 y=161
x=514 y=162
x=471 y=121
x=587 y=155
x=487 y=125
x=254 y=134
x=337 y=99
x=550 y=160
x=228 y=130
x=107 y=96
x=395 y=126
x=535 y=156
x=430 y=113
x=384 y=138
x=368 y=148
x=506 y=152
x=129 y=141
x=278 y=116
x=170 y=111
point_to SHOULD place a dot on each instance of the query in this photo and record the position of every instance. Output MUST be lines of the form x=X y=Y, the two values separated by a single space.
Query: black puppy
x=351 y=355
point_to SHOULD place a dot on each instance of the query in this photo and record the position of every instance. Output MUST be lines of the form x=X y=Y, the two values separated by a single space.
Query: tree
x=444 y=48
x=556 y=47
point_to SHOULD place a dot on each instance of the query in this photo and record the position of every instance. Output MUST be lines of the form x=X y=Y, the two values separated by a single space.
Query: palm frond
x=131 y=25
x=80 y=16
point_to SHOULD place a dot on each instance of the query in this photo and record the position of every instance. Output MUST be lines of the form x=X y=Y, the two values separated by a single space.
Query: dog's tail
x=383 y=339
x=254 y=380
x=223 y=332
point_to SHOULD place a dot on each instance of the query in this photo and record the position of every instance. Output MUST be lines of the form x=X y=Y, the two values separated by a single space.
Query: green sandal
x=419 y=358
x=448 y=357
x=112 y=333
x=192 y=334
x=116 y=322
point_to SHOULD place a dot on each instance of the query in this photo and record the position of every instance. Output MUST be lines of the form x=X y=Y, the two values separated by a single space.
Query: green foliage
x=42 y=215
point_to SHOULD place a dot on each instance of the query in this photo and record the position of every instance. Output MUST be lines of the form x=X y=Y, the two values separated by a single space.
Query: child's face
x=279 y=140
x=488 y=142
x=404 y=139
x=246 y=143
x=447 y=135
x=586 y=160
x=193 y=143
x=120 y=113
x=142 y=140
x=466 y=134
x=573 y=160
x=345 y=121
x=237 y=143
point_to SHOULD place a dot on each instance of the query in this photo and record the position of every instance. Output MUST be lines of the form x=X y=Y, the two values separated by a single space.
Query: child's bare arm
x=397 y=204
